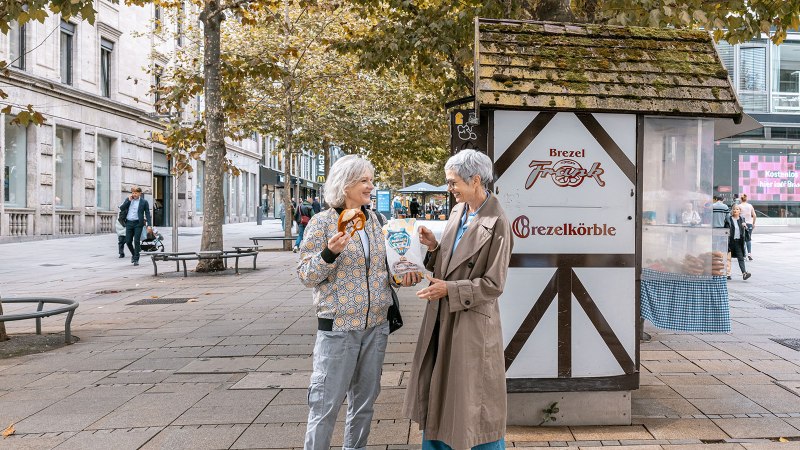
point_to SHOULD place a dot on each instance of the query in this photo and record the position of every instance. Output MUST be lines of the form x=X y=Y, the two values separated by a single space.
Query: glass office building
x=764 y=163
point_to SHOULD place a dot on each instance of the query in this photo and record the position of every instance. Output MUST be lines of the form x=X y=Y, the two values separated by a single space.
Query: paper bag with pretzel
x=403 y=250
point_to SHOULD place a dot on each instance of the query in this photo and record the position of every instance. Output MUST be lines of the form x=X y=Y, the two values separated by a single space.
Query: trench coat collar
x=479 y=231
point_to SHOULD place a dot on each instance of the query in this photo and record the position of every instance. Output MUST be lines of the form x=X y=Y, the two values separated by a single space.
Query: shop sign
x=566 y=182
x=466 y=131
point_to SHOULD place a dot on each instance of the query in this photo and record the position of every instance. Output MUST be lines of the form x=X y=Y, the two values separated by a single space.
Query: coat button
x=470 y=264
x=466 y=302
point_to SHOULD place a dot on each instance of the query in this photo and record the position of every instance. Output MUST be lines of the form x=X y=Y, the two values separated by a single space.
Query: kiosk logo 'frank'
x=522 y=228
x=565 y=172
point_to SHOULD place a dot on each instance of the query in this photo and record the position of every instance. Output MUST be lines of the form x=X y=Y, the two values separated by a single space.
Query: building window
x=106 y=47
x=237 y=195
x=753 y=78
x=103 y=177
x=67 y=42
x=63 y=181
x=786 y=77
x=157 y=18
x=158 y=73
x=16 y=162
x=199 y=179
x=179 y=25
x=16 y=45
x=246 y=209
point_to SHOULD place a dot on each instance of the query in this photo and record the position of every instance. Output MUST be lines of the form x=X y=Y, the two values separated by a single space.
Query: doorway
x=161 y=192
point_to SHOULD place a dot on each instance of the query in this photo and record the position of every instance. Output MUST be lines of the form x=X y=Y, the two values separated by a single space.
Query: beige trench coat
x=457 y=390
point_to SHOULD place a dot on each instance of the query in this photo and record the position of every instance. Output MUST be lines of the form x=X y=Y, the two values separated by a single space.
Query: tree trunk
x=287 y=176
x=214 y=213
x=3 y=335
x=403 y=176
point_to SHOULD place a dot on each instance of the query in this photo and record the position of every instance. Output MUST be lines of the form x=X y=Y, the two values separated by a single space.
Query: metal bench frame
x=182 y=257
x=72 y=305
x=255 y=239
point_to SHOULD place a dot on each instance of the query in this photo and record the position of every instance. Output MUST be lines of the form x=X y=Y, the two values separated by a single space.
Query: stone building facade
x=91 y=82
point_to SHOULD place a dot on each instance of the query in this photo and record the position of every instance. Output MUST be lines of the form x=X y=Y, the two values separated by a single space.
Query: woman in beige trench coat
x=457 y=391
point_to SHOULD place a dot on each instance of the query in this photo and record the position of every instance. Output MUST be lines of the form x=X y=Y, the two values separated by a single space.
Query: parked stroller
x=153 y=241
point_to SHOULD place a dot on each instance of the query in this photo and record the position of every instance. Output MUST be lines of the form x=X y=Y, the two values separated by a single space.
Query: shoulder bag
x=393 y=317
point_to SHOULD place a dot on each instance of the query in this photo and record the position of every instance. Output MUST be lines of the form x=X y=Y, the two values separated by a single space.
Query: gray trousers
x=345 y=363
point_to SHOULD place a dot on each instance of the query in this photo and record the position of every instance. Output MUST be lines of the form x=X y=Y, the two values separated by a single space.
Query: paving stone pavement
x=229 y=368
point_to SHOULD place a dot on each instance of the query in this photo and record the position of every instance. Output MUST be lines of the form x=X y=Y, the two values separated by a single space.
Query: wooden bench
x=182 y=257
x=69 y=310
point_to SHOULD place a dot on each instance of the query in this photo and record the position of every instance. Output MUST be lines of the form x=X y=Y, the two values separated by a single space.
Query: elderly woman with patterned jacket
x=352 y=297
x=457 y=388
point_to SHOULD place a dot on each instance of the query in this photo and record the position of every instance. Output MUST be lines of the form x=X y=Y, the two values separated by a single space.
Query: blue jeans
x=300 y=230
x=749 y=242
x=439 y=445
x=346 y=364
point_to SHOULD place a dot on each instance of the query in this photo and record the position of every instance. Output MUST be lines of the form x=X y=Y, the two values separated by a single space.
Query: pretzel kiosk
x=600 y=136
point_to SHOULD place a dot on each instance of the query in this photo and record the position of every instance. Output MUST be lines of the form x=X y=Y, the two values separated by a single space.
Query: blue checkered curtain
x=679 y=302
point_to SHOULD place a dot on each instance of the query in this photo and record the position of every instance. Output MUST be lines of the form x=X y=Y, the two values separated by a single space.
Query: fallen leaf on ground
x=783 y=439
x=191 y=300
x=153 y=296
x=8 y=431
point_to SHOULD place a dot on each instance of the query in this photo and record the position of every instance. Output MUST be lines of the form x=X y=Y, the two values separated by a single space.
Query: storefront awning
x=725 y=128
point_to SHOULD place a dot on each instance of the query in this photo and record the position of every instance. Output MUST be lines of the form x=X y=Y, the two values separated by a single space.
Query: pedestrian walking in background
x=352 y=298
x=414 y=206
x=120 y=237
x=457 y=389
x=134 y=214
x=720 y=213
x=282 y=215
x=303 y=215
x=316 y=206
x=749 y=215
x=736 y=240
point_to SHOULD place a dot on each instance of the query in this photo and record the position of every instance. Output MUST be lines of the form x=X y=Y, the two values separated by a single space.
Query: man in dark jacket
x=304 y=213
x=316 y=206
x=414 y=206
x=134 y=214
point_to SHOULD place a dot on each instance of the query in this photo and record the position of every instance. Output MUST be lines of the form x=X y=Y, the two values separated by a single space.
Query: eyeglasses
x=451 y=183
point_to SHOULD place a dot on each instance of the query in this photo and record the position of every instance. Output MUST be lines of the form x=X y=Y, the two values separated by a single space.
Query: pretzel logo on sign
x=565 y=173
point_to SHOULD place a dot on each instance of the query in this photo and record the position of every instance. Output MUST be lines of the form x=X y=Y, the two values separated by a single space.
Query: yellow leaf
x=783 y=439
x=8 y=431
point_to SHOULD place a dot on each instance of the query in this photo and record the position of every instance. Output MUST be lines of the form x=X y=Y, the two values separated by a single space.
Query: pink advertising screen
x=770 y=178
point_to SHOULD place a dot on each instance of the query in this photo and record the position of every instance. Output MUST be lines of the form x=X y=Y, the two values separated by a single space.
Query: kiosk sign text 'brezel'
x=567 y=183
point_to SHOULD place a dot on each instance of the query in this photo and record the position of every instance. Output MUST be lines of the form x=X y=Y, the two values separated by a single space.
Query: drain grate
x=159 y=301
x=793 y=344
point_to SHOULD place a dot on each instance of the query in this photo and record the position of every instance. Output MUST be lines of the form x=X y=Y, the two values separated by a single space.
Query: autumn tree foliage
x=432 y=42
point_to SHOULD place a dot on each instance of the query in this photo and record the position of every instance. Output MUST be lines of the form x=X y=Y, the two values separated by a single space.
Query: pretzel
x=356 y=216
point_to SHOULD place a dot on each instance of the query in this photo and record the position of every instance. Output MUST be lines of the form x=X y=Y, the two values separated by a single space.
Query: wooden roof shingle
x=600 y=68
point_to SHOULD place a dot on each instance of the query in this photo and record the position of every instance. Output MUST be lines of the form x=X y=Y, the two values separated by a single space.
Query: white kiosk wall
x=567 y=183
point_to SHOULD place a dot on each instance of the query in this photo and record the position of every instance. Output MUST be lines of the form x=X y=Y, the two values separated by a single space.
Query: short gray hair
x=345 y=172
x=468 y=163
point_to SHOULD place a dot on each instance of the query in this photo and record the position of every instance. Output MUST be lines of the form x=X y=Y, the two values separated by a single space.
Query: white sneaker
x=295 y=249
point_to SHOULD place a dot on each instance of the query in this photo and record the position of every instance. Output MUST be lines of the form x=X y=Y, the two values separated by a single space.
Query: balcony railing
x=20 y=221
x=106 y=222
x=67 y=222
x=788 y=102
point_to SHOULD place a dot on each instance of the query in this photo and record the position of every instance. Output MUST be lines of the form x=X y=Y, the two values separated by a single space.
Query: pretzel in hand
x=356 y=216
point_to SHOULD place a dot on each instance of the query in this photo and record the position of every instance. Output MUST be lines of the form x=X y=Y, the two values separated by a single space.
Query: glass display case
x=683 y=285
x=676 y=207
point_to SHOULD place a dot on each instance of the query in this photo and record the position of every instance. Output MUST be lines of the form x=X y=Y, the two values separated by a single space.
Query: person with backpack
x=303 y=214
